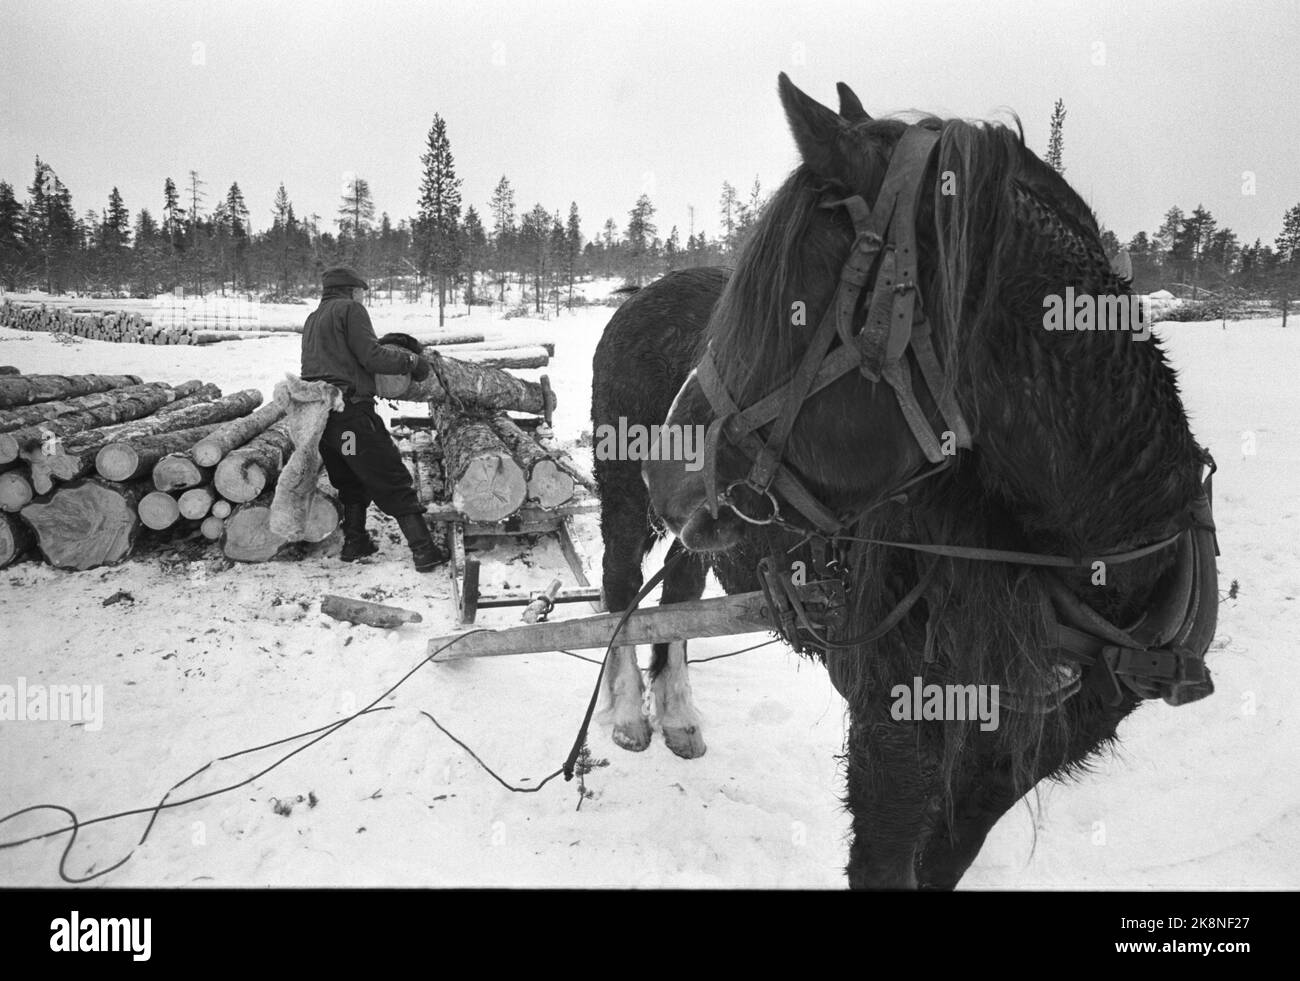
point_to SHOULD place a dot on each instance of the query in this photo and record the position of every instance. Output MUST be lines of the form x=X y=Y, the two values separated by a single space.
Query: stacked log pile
x=122 y=327
x=81 y=475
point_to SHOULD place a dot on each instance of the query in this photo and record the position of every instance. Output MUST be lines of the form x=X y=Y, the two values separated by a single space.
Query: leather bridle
x=1162 y=656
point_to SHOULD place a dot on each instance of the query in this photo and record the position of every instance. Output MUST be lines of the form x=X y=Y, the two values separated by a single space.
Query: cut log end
x=158 y=510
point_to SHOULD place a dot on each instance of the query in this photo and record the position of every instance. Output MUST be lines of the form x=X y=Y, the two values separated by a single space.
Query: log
x=129 y=459
x=87 y=523
x=158 y=510
x=430 y=484
x=196 y=502
x=221 y=508
x=486 y=482
x=119 y=406
x=548 y=483
x=499 y=344
x=546 y=440
x=16 y=539
x=522 y=357
x=209 y=451
x=478 y=385
x=76 y=458
x=247 y=535
x=204 y=393
x=324 y=513
x=15 y=490
x=178 y=471
x=212 y=527
x=25 y=389
x=371 y=614
x=449 y=340
x=31 y=415
x=244 y=473
x=8 y=369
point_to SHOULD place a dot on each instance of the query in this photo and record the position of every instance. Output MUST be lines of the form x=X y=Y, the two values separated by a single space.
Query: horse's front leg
x=891 y=800
x=673 y=704
x=624 y=697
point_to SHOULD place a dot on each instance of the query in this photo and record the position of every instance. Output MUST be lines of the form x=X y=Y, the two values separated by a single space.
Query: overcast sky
x=1168 y=103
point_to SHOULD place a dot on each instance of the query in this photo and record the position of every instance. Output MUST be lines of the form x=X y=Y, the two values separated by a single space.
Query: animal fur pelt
x=404 y=341
x=307 y=405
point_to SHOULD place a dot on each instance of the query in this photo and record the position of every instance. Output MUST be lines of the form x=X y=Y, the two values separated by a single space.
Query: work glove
x=420 y=370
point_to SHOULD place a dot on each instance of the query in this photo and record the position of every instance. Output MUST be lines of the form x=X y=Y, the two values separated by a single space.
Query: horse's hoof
x=633 y=736
x=686 y=742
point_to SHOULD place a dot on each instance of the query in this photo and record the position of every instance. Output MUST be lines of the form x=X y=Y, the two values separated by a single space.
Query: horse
x=1012 y=505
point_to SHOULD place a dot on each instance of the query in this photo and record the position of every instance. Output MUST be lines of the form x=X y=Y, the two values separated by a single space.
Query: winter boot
x=425 y=552
x=356 y=540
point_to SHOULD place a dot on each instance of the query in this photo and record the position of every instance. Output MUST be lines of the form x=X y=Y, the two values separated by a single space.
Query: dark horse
x=1071 y=445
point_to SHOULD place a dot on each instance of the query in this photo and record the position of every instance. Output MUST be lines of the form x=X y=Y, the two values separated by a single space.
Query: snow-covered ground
x=208 y=660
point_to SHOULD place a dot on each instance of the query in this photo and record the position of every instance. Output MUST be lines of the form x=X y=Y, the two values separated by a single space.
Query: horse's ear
x=850 y=105
x=816 y=130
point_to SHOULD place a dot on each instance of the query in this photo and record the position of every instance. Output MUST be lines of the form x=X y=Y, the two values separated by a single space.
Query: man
x=339 y=346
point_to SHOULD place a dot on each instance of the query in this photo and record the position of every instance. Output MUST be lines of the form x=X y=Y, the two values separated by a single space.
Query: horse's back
x=650 y=345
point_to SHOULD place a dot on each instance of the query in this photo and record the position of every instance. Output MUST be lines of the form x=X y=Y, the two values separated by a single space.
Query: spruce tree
x=1055 y=143
x=438 y=222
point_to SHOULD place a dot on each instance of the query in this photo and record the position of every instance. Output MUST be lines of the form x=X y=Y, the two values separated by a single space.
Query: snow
x=209 y=660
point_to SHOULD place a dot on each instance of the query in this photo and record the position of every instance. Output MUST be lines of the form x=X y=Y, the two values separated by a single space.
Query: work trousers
x=363 y=463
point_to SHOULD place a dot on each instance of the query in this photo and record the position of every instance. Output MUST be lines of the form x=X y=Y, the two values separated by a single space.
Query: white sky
x=595 y=102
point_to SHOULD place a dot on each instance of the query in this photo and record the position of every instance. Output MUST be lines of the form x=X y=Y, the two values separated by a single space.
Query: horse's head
x=959 y=195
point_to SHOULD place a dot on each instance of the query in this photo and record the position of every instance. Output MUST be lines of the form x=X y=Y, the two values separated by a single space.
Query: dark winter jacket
x=339 y=346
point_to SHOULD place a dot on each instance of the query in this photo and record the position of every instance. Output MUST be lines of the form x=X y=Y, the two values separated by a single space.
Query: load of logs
x=120 y=327
x=88 y=461
x=487 y=463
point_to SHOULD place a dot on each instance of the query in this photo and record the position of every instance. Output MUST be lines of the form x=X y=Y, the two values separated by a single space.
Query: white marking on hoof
x=675 y=709
x=625 y=693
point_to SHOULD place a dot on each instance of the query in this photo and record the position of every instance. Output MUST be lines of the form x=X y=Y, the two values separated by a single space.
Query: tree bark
x=116 y=407
x=32 y=415
x=487 y=484
x=244 y=473
x=16 y=538
x=209 y=451
x=478 y=385
x=131 y=459
x=430 y=483
x=371 y=614
x=77 y=457
x=87 y=524
x=25 y=389
x=548 y=483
